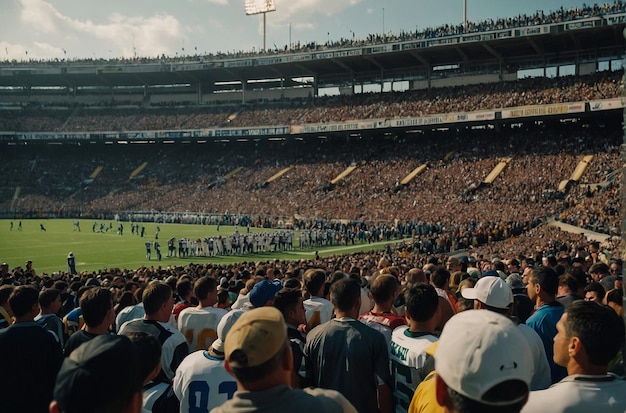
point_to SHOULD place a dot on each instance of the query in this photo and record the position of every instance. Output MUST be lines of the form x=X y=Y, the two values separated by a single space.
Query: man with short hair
x=384 y=290
x=494 y=294
x=289 y=303
x=50 y=304
x=600 y=273
x=482 y=364
x=102 y=375
x=97 y=307
x=318 y=309
x=257 y=353
x=199 y=324
x=594 y=291
x=348 y=356
x=589 y=336
x=158 y=302
x=409 y=362
x=543 y=283
x=31 y=357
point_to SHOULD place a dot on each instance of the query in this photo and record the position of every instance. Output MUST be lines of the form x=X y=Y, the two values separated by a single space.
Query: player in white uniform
x=409 y=362
x=201 y=382
x=199 y=324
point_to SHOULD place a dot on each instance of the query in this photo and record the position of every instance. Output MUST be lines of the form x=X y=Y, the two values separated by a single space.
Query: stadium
x=489 y=136
x=487 y=150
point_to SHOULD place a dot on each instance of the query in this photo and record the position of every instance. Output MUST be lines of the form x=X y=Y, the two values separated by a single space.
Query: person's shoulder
x=542 y=400
x=329 y=400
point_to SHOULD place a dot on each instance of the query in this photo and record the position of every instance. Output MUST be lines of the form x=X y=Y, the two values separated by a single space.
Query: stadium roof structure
x=510 y=49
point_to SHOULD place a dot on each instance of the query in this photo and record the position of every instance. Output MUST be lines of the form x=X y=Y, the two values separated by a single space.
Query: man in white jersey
x=201 y=382
x=409 y=362
x=199 y=324
x=589 y=336
x=318 y=310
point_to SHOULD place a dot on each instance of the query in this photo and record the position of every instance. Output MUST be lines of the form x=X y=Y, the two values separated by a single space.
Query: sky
x=57 y=29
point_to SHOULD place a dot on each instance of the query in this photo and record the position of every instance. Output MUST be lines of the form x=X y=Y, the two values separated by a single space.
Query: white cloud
x=147 y=36
x=38 y=50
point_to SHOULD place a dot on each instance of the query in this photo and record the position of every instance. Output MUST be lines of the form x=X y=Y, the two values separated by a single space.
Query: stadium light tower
x=260 y=7
x=465 y=16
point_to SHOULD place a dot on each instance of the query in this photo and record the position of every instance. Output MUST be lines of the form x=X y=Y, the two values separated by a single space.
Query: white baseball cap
x=479 y=349
x=493 y=291
x=223 y=327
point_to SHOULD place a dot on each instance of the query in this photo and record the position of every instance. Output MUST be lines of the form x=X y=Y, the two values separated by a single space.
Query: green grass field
x=96 y=251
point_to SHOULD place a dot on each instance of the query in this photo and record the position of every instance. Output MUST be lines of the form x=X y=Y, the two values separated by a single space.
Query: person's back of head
x=5 y=293
x=383 y=288
x=60 y=285
x=47 y=297
x=345 y=295
x=440 y=277
x=314 y=280
x=415 y=275
x=599 y=268
x=149 y=351
x=286 y=300
x=615 y=299
x=102 y=375
x=139 y=294
x=95 y=304
x=204 y=286
x=184 y=288
x=483 y=364
x=155 y=295
x=23 y=300
x=421 y=301
x=599 y=329
x=568 y=284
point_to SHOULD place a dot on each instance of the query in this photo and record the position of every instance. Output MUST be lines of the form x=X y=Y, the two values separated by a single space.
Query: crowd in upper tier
x=415 y=103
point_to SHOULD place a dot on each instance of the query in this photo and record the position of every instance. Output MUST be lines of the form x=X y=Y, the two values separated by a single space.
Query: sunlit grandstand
x=460 y=136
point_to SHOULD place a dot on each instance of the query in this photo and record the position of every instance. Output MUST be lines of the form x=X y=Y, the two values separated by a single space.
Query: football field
x=100 y=250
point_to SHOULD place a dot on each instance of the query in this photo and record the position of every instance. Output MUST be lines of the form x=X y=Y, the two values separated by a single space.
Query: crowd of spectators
x=389 y=105
x=447 y=206
x=540 y=17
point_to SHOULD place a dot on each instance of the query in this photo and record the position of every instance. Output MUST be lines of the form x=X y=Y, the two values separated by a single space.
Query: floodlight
x=259 y=6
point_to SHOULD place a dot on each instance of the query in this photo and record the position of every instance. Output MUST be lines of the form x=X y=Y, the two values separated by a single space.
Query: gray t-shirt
x=283 y=398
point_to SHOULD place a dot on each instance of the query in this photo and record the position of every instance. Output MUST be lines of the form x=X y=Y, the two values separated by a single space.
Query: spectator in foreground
x=258 y=354
x=543 y=283
x=589 y=336
x=97 y=307
x=494 y=294
x=482 y=364
x=31 y=357
x=346 y=355
x=107 y=362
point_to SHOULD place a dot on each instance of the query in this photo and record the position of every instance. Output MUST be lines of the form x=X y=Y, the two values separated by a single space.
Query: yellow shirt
x=425 y=397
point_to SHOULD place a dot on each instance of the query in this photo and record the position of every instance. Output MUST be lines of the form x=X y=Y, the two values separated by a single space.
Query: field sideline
x=97 y=251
